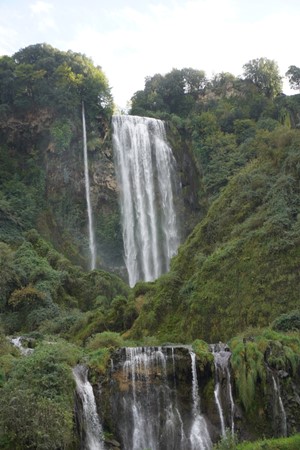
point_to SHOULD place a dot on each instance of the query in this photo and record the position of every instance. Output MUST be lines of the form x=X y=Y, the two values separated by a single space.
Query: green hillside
x=240 y=265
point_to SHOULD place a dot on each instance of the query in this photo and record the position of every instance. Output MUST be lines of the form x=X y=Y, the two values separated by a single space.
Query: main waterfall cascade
x=146 y=174
x=92 y=245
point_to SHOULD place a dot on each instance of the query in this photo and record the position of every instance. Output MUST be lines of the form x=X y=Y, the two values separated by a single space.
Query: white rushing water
x=219 y=406
x=199 y=435
x=92 y=245
x=281 y=407
x=154 y=413
x=140 y=365
x=232 y=407
x=146 y=175
x=92 y=426
x=17 y=342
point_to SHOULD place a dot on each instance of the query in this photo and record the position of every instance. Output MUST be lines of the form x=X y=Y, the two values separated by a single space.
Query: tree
x=264 y=73
x=293 y=74
x=175 y=93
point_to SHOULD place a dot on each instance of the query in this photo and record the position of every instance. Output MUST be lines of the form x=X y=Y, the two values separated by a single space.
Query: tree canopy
x=264 y=73
x=293 y=75
x=42 y=76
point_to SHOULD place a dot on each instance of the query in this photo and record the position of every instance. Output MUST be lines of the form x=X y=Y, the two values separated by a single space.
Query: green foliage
x=256 y=350
x=98 y=360
x=37 y=399
x=227 y=442
x=203 y=352
x=107 y=339
x=249 y=369
x=239 y=266
x=26 y=298
x=61 y=133
x=264 y=73
x=287 y=322
x=293 y=75
x=41 y=76
x=290 y=443
x=174 y=93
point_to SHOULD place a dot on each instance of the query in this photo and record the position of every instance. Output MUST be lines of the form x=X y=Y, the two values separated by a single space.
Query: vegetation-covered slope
x=240 y=265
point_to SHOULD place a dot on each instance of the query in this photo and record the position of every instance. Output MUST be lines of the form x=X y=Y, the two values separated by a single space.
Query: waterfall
x=222 y=377
x=146 y=174
x=141 y=365
x=93 y=436
x=154 y=411
x=199 y=435
x=92 y=245
x=219 y=406
x=279 y=402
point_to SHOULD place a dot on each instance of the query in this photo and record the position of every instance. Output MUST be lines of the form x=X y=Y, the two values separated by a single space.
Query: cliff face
x=191 y=209
x=66 y=196
x=57 y=170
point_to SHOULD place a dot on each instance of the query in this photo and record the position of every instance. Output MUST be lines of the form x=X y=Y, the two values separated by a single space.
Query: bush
x=37 y=400
x=106 y=339
x=287 y=322
x=227 y=442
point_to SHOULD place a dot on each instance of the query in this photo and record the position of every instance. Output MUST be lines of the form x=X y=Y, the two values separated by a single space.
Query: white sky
x=137 y=38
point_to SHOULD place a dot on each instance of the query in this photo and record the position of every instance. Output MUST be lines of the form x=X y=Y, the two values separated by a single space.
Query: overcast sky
x=133 y=39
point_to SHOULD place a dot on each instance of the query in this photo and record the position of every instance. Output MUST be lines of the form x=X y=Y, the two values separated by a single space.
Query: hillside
x=240 y=266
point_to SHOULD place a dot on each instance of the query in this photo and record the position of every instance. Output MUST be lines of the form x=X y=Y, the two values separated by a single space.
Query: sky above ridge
x=134 y=39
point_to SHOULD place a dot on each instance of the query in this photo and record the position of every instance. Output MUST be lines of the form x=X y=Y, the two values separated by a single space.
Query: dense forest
x=236 y=275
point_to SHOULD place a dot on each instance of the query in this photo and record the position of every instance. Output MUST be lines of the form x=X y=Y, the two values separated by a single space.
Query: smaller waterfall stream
x=279 y=402
x=199 y=435
x=222 y=376
x=93 y=436
x=92 y=245
x=219 y=406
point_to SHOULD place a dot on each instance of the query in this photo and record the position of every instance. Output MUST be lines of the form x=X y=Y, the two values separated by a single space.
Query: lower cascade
x=91 y=429
x=168 y=398
x=145 y=169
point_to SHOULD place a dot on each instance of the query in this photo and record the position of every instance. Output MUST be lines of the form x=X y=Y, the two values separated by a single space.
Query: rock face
x=65 y=192
x=55 y=168
x=192 y=208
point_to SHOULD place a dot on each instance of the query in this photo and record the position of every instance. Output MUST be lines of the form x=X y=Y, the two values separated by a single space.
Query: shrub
x=287 y=322
x=106 y=339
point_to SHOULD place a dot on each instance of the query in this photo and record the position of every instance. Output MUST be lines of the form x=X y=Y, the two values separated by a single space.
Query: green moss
x=204 y=354
x=98 y=360
x=290 y=443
